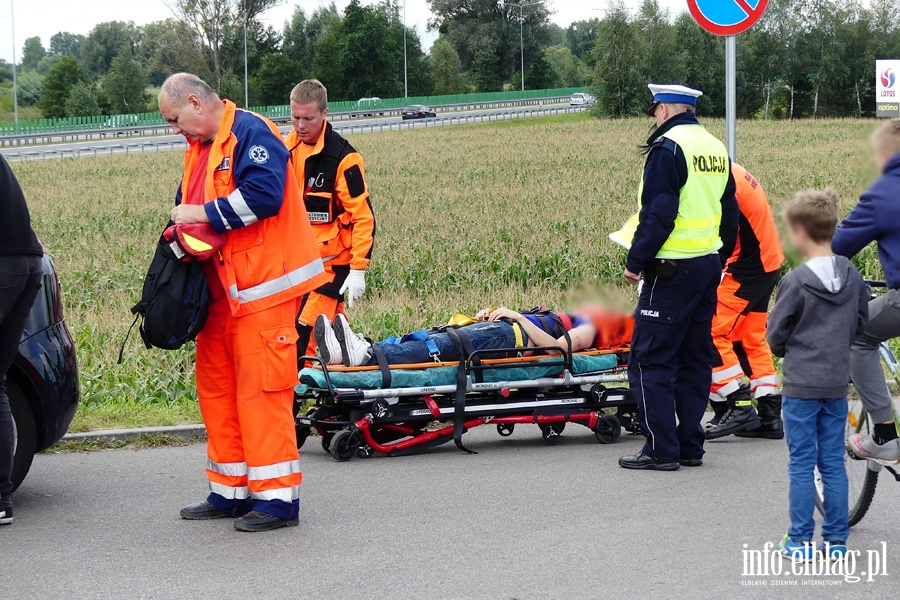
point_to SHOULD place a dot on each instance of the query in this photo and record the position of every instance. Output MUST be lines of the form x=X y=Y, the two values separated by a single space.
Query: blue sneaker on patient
x=797 y=551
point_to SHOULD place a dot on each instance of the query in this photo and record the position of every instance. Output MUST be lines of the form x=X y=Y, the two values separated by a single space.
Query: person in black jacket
x=20 y=280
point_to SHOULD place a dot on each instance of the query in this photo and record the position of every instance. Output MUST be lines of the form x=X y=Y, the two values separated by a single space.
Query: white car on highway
x=581 y=100
x=368 y=107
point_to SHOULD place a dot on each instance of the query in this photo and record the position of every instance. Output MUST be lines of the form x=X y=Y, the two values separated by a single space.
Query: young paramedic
x=336 y=199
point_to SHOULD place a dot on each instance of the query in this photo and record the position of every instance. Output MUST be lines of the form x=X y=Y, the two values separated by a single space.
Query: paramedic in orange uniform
x=336 y=197
x=237 y=178
x=739 y=326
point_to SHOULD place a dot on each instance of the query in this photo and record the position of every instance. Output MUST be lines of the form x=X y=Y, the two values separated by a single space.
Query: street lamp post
x=12 y=19
x=246 y=84
x=405 y=71
x=521 y=6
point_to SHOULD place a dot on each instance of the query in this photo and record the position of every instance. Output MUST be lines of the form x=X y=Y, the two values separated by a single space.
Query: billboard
x=887 y=88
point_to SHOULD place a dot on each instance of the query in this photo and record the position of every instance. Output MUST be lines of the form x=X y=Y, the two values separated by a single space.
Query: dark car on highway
x=417 y=111
x=42 y=383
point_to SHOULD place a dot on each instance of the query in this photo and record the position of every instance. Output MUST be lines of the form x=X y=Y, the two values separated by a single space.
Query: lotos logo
x=888 y=78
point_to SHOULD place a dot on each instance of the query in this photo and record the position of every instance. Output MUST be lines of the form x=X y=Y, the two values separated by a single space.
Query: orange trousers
x=313 y=305
x=740 y=322
x=327 y=300
x=246 y=372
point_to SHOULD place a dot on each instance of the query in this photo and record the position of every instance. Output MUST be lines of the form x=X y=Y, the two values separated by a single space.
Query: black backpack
x=174 y=302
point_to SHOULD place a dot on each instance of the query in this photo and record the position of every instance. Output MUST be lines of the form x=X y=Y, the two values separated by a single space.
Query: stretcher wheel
x=344 y=445
x=551 y=432
x=326 y=440
x=599 y=392
x=380 y=408
x=505 y=429
x=608 y=429
x=365 y=451
x=303 y=432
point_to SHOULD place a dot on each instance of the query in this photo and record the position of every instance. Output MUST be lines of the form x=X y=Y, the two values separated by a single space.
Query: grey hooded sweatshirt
x=820 y=309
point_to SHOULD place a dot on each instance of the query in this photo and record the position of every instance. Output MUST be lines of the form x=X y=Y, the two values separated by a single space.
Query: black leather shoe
x=643 y=462
x=257 y=520
x=202 y=511
x=690 y=462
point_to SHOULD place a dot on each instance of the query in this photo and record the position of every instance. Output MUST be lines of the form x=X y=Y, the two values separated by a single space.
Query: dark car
x=417 y=111
x=43 y=381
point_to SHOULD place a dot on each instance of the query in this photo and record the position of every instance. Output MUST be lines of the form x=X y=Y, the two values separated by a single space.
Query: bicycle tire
x=858 y=511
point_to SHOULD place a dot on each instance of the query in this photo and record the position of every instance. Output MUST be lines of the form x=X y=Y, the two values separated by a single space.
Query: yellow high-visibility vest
x=696 y=230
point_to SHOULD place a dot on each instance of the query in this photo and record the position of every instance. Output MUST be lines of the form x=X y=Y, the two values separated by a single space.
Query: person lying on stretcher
x=591 y=326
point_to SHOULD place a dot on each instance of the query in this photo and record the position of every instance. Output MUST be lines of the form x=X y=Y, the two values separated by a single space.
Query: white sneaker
x=354 y=347
x=328 y=344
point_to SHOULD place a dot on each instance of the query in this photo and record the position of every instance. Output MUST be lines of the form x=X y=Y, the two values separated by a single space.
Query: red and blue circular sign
x=727 y=17
x=888 y=78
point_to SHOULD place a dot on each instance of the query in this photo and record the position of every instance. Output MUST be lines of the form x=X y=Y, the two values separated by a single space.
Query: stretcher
x=405 y=409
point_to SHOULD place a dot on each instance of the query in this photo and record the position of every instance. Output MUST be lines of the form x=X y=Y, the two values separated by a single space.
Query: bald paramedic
x=739 y=327
x=238 y=179
x=337 y=202
x=686 y=228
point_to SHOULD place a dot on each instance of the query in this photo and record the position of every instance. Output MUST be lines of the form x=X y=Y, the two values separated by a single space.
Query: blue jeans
x=815 y=438
x=484 y=336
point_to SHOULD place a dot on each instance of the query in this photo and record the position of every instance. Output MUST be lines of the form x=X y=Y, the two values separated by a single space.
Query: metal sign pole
x=731 y=95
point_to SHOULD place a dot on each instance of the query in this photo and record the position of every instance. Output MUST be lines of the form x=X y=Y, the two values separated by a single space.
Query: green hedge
x=72 y=124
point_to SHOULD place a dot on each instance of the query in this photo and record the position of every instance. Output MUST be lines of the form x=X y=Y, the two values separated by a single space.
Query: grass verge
x=512 y=213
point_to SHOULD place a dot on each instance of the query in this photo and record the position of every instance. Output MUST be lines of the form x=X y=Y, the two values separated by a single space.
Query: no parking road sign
x=727 y=17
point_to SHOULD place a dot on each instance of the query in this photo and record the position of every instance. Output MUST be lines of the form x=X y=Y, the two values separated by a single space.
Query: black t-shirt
x=16 y=235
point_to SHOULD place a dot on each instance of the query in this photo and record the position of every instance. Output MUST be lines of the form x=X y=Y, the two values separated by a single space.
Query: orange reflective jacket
x=758 y=248
x=270 y=256
x=332 y=177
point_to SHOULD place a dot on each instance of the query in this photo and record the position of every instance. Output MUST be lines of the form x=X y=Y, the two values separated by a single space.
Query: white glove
x=354 y=286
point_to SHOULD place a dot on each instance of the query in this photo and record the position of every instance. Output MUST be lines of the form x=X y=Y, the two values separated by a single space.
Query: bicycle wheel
x=862 y=475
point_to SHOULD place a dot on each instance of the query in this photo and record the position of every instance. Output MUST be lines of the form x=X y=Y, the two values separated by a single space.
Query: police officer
x=686 y=228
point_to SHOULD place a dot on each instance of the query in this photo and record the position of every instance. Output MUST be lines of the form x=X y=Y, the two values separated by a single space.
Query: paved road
x=519 y=520
x=123 y=145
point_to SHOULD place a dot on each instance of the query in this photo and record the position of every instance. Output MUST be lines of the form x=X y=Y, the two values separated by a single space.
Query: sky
x=43 y=18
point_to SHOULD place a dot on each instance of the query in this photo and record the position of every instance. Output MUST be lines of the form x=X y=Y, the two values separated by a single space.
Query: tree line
x=806 y=58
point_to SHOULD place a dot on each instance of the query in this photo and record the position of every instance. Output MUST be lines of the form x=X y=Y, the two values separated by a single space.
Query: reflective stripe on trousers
x=236 y=469
x=237 y=492
x=278 y=285
x=725 y=374
x=283 y=469
x=764 y=386
x=288 y=494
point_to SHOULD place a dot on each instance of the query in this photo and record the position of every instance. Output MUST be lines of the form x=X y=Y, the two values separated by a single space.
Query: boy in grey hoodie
x=820 y=309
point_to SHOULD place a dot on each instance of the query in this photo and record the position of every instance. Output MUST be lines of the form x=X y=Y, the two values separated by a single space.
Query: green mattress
x=406 y=378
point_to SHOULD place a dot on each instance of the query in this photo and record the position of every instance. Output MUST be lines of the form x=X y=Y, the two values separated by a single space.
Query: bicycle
x=862 y=474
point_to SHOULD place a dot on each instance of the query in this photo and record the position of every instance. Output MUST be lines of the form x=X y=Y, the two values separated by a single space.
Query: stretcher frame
x=395 y=421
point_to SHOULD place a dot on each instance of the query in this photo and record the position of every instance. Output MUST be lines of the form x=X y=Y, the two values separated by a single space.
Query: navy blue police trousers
x=670 y=366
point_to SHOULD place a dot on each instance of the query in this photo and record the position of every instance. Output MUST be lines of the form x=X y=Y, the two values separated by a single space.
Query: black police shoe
x=645 y=462
x=202 y=511
x=257 y=520
x=690 y=462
